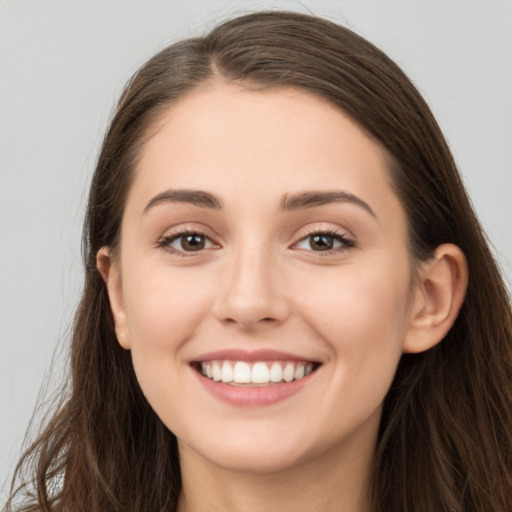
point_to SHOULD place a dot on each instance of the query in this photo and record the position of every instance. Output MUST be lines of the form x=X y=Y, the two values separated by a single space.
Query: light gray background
x=64 y=63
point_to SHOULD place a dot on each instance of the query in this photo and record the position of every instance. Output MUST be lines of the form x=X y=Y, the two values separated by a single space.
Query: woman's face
x=263 y=245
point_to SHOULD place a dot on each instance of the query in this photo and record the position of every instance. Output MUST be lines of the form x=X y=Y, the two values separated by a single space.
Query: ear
x=437 y=298
x=110 y=272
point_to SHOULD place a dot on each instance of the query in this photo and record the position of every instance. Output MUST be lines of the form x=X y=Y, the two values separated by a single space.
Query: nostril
x=265 y=320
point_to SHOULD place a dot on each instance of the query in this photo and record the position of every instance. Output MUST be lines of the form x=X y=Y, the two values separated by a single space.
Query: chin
x=261 y=448
x=256 y=459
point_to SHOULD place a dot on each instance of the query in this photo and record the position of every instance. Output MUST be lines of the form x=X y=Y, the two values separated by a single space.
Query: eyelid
x=347 y=241
x=343 y=236
x=173 y=234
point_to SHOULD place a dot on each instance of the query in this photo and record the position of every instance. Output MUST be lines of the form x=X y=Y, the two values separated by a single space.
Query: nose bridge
x=251 y=295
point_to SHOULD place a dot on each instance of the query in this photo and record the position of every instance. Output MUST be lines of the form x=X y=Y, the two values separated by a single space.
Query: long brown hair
x=445 y=441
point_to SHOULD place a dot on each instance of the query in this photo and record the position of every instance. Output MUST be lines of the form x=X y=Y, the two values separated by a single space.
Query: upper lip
x=251 y=355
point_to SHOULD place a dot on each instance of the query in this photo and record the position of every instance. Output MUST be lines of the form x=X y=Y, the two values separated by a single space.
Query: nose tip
x=252 y=298
x=249 y=318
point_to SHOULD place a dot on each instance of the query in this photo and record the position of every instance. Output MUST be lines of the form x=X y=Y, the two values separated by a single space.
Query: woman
x=289 y=302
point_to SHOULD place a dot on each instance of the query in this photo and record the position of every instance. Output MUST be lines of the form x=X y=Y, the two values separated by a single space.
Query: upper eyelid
x=165 y=242
x=189 y=228
x=175 y=236
x=345 y=240
x=332 y=231
x=173 y=233
x=304 y=232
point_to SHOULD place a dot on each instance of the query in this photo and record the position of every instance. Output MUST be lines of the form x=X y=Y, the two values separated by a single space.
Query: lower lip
x=245 y=396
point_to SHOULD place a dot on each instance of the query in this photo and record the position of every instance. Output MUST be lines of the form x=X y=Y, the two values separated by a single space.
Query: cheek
x=361 y=314
x=367 y=301
x=164 y=307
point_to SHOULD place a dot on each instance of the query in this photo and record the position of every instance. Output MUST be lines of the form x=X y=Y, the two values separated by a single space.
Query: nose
x=252 y=295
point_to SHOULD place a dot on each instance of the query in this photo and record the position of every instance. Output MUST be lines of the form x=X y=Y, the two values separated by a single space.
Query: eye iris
x=193 y=242
x=321 y=242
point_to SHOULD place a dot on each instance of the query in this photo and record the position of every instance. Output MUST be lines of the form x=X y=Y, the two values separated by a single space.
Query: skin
x=260 y=284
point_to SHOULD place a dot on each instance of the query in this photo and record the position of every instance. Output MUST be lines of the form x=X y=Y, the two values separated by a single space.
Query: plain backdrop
x=62 y=66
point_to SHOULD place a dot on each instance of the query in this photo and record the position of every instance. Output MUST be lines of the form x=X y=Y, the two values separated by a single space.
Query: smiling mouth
x=255 y=374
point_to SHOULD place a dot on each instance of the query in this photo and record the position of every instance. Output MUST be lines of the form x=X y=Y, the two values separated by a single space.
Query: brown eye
x=193 y=242
x=325 y=242
x=187 y=242
x=321 y=242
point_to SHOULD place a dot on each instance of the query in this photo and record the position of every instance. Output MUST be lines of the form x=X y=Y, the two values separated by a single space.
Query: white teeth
x=276 y=372
x=217 y=372
x=227 y=372
x=242 y=372
x=299 y=372
x=260 y=373
x=288 y=372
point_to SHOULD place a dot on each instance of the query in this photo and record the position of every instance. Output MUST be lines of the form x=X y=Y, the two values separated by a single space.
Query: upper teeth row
x=242 y=372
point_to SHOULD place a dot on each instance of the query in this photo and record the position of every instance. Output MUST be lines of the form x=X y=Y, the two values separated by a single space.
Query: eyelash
x=166 y=241
x=346 y=243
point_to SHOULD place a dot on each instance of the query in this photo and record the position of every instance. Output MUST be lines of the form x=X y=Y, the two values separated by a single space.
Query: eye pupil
x=321 y=242
x=193 y=242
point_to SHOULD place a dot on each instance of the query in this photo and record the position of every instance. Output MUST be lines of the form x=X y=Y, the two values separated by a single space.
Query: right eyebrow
x=194 y=197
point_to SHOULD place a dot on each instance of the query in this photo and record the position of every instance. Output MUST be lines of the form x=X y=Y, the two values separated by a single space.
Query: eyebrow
x=311 y=199
x=293 y=202
x=194 y=197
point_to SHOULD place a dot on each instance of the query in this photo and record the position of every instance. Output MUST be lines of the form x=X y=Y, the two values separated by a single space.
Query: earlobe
x=438 y=296
x=110 y=272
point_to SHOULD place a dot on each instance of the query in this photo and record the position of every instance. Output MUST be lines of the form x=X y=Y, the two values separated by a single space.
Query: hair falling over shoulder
x=445 y=441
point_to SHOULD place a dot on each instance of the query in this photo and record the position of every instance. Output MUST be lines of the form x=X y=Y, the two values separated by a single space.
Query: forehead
x=251 y=146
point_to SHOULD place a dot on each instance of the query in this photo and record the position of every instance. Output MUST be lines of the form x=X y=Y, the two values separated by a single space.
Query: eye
x=329 y=241
x=186 y=242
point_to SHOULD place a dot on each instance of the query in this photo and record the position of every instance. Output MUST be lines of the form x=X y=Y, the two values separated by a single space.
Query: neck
x=337 y=481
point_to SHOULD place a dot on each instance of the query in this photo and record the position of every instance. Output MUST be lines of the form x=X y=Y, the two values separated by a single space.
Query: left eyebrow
x=318 y=198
